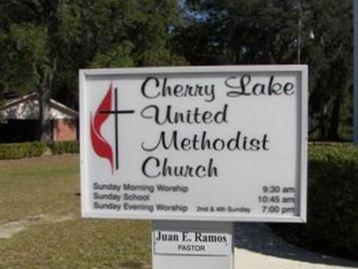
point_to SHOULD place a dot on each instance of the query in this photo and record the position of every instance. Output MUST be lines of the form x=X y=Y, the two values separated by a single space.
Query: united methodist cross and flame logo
x=107 y=107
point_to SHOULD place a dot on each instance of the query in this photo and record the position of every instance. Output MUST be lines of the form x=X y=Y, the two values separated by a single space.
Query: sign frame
x=303 y=137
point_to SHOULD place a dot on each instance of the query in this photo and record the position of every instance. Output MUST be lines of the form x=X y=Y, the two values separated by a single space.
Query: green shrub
x=332 y=222
x=21 y=150
x=61 y=147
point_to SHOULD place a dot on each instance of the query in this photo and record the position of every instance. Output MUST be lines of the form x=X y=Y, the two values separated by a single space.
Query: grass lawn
x=40 y=198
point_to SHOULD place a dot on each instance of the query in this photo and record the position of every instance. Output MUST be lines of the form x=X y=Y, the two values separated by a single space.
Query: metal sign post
x=194 y=149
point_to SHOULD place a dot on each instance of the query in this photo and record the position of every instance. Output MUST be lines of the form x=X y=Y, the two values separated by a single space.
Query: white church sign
x=212 y=143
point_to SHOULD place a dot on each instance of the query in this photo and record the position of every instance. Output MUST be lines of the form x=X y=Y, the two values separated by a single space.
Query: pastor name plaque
x=185 y=242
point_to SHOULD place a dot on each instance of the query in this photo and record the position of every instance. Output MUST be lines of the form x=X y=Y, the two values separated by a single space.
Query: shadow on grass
x=259 y=238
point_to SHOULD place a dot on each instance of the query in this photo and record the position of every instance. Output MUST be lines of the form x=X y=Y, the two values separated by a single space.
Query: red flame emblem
x=99 y=143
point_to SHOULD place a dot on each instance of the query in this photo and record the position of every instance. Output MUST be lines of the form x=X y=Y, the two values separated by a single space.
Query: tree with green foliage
x=317 y=33
x=329 y=56
x=44 y=43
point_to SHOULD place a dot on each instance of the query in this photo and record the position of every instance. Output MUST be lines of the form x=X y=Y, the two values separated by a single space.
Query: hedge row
x=21 y=150
x=62 y=147
x=332 y=221
x=332 y=194
x=35 y=149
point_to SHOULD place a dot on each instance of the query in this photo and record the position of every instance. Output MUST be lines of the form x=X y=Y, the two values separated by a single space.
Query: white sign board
x=219 y=143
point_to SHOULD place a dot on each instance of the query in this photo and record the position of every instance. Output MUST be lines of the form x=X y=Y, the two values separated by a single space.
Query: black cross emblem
x=116 y=112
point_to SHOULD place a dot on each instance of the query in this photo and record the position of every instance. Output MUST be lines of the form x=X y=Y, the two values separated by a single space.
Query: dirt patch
x=8 y=229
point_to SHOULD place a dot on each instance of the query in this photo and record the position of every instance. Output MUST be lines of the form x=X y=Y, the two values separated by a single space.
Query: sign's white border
x=302 y=185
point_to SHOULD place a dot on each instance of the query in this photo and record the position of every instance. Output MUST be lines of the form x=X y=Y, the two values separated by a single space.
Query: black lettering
x=244 y=81
x=143 y=88
x=144 y=166
x=288 y=88
x=274 y=88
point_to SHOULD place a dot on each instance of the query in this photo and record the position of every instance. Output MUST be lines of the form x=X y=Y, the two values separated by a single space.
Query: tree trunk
x=45 y=121
x=322 y=128
x=44 y=104
x=334 y=120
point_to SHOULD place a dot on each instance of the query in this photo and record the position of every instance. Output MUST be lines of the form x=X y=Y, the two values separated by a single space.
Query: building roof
x=27 y=108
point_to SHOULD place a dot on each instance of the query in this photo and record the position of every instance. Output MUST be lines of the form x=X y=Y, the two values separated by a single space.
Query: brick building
x=20 y=120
